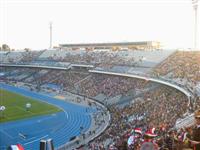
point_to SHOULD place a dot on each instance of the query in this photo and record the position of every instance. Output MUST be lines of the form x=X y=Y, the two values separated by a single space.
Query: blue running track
x=59 y=126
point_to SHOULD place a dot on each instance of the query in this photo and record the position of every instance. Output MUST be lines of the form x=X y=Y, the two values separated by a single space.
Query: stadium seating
x=147 y=104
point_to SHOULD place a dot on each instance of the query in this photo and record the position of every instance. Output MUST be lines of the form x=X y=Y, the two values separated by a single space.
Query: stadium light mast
x=195 y=7
x=50 y=42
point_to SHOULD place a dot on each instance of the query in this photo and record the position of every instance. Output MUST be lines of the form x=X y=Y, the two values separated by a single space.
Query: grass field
x=16 y=107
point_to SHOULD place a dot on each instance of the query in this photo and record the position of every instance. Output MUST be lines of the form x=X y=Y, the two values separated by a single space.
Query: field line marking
x=31 y=138
x=36 y=140
x=6 y=134
x=24 y=110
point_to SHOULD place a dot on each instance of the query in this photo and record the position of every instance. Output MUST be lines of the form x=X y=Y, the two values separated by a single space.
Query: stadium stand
x=132 y=102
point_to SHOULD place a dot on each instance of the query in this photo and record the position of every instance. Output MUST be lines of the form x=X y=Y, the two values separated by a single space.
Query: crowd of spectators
x=110 y=85
x=20 y=57
x=66 y=79
x=30 y=56
x=159 y=109
x=102 y=59
x=78 y=81
x=181 y=64
x=16 y=74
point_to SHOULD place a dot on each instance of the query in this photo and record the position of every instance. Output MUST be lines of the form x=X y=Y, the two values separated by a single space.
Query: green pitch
x=16 y=107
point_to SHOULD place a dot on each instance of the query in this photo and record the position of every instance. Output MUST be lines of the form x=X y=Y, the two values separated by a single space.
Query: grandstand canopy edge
x=34 y=66
x=48 y=67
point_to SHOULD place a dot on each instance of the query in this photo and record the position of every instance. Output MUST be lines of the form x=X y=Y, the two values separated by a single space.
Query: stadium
x=93 y=96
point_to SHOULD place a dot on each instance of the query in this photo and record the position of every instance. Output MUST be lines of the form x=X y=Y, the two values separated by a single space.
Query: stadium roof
x=107 y=44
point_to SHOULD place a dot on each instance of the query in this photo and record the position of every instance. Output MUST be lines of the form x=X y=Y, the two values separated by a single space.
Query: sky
x=25 y=23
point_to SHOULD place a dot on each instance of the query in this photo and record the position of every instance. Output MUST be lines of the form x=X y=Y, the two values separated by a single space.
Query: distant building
x=143 y=45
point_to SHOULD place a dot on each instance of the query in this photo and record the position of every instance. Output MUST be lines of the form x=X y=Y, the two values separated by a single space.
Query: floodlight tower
x=195 y=7
x=50 y=42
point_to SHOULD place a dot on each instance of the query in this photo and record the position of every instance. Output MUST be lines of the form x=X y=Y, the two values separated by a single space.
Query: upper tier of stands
x=19 y=56
x=130 y=58
x=116 y=60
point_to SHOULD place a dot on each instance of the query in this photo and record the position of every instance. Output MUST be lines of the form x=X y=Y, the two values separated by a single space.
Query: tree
x=27 y=49
x=5 y=47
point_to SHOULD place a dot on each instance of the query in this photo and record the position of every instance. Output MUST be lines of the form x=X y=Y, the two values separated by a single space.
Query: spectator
x=195 y=140
x=170 y=140
x=149 y=143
